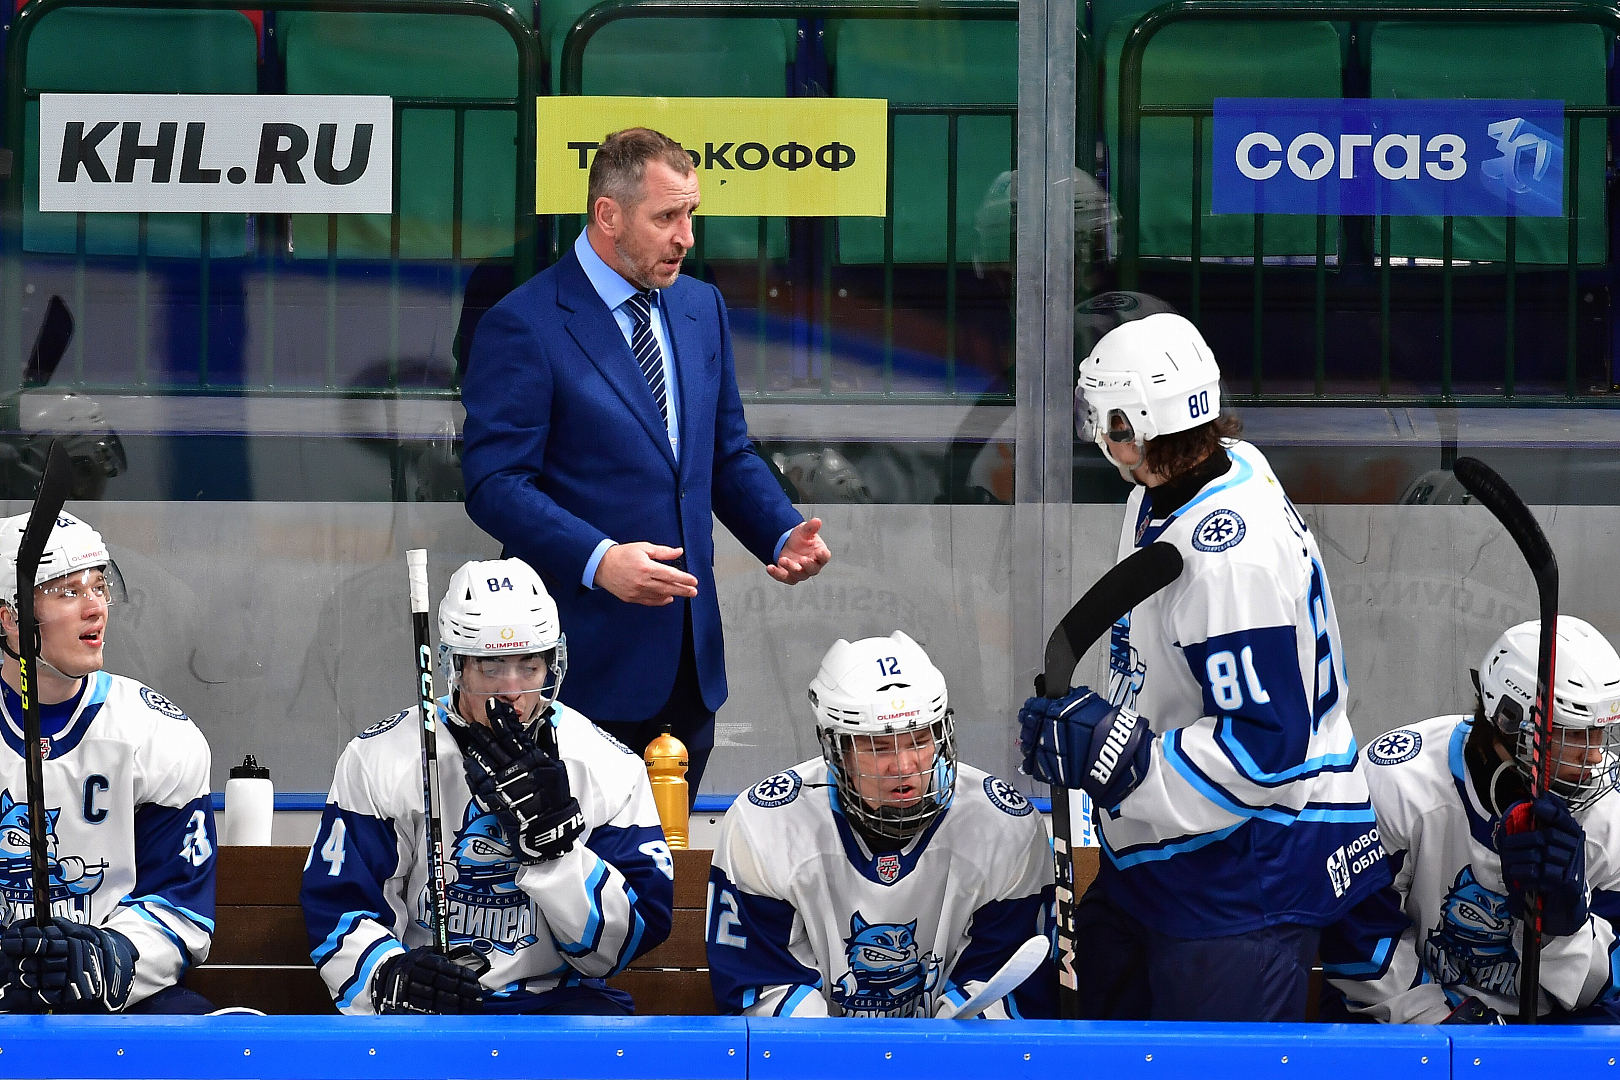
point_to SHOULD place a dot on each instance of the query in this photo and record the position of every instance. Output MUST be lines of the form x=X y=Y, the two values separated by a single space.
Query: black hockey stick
x=1115 y=593
x=438 y=902
x=54 y=485
x=1497 y=496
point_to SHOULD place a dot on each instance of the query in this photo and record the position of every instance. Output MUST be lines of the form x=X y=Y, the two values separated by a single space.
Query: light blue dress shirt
x=614 y=291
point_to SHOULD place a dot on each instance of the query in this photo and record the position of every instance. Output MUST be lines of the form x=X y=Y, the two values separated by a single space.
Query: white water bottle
x=250 y=806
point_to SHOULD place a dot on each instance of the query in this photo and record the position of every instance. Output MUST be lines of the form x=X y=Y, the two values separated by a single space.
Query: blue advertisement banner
x=1490 y=158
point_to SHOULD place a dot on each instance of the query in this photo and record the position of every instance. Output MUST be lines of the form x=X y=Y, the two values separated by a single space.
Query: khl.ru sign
x=1489 y=158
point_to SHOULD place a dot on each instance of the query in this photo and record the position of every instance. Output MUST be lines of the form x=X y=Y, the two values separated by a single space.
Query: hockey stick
x=1495 y=494
x=1011 y=975
x=54 y=485
x=438 y=902
x=1105 y=603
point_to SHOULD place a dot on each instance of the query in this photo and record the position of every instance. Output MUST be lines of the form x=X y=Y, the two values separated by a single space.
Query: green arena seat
x=1192 y=64
x=441 y=58
x=931 y=62
x=1523 y=61
x=684 y=58
x=74 y=50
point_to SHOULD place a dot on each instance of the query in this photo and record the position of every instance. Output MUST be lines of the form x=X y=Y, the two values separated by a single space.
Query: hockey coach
x=605 y=432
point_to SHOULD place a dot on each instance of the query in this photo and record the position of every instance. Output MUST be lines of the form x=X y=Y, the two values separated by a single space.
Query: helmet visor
x=1095 y=422
x=530 y=680
x=73 y=595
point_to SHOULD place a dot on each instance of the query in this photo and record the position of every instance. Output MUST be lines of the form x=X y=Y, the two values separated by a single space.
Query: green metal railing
x=571 y=81
x=522 y=104
x=1605 y=15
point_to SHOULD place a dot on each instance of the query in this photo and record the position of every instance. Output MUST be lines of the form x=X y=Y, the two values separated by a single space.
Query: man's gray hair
x=621 y=161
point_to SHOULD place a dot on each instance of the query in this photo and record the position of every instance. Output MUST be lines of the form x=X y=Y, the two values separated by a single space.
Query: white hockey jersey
x=1458 y=938
x=804 y=920
x=1254 y=811
x=131 y=822
x=544 y=928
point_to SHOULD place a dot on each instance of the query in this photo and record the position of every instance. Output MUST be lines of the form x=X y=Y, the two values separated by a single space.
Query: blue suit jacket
x=565 y=446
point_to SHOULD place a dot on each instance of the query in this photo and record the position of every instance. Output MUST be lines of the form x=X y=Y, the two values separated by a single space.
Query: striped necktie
x=644 y=343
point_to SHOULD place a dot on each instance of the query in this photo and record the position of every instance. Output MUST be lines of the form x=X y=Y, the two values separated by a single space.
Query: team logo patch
x=1220 y=529
x=1394 y=747
x=1008 y=799
x=44 y=749
x=888 y=868
x=383 y=725
x=778 y=790
x=158 y=702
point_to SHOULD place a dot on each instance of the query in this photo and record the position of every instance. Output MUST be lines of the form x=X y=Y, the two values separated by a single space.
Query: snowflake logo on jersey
x=1220 y=529
x=384 y=725
x=774 y=791
x=887 y=975
x=72 y=880
x=1473 y=944
x=1394 y=747
x=159 y=703
x=1126 y=671
x=487 y=909
x=1007 y=799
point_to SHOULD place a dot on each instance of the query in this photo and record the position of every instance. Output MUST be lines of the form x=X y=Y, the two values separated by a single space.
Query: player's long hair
x=1171 y=455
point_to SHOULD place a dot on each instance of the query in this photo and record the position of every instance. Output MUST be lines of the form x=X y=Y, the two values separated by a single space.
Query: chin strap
x=5 y=646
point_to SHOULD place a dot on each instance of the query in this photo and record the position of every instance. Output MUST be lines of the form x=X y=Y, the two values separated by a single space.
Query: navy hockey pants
x=1128 y=971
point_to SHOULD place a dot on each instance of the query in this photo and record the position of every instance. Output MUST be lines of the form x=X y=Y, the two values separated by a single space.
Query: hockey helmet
x=498 y=615
x=72 y=550
x=1146 y=378
x=1585 y=747
x=885 y=727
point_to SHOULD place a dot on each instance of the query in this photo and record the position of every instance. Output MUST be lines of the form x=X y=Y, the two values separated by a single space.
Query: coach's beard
x=643 y=274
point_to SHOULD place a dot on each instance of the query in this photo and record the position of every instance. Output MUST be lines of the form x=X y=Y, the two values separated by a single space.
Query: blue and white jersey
x=1458 y=937
x=130 y=822
x=804 y=920
x=543 y=927
x=1254 y=811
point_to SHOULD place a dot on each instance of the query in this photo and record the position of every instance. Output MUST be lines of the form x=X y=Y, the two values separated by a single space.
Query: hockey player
x=882 y=878
x=129 y=817
x=558 y=871
x=1219 y=760
x=1465 y=841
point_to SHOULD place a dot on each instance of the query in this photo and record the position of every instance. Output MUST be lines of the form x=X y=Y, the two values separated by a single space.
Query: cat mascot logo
x=72 y=881
x=887 y=976
x=487 y=909
x=1474 y=942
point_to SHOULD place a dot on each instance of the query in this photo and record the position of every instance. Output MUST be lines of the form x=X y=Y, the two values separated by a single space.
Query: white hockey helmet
x=72 y=547
x=495 y=614
x=1586 y=704
x=1146 y=378
x=884 y=722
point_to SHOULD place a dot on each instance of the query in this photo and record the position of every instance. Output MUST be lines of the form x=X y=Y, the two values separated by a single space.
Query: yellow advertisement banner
x=755 y=157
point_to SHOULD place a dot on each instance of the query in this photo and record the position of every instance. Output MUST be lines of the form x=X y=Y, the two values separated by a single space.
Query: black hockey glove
x=1471 y=1010
x=1081 y=741
x=422 y=981
x=1543 y=850
x=522 y=783
x=66 y=966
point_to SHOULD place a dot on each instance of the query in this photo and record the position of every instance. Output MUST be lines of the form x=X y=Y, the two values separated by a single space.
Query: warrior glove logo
x=1119 y=735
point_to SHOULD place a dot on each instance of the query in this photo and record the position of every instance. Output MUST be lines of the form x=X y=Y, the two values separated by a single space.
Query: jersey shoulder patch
x=1394 y=747
x=774 y=791
x=1006 y=798
x=1220 y=530
x=384 y=725
x=158 y=703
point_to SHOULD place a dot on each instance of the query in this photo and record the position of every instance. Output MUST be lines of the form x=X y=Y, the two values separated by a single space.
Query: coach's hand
x=639 y=573
x=1081 y=741
x=803 y=556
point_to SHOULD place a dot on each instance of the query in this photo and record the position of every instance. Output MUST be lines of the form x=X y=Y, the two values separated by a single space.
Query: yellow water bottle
x=666 y=768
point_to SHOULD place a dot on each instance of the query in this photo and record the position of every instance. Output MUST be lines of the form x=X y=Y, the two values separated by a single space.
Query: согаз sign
x=192 y=153
x=1384 y=156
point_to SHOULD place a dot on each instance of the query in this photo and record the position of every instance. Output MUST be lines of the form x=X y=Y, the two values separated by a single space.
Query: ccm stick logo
x=1102 y=770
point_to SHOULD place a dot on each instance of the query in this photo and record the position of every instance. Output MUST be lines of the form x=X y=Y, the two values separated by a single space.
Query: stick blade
x=1019 y=967
x=1115 y=593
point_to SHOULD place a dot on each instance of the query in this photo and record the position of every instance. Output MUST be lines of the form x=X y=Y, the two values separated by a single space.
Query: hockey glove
x=1081 y=741
x=1543 y=850
x=522 y=784
x=1471 y=1010
x=422 y=981
x=67 y=966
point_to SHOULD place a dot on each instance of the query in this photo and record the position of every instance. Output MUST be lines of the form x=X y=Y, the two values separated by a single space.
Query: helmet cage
x=1569 y=748
x=853 y=756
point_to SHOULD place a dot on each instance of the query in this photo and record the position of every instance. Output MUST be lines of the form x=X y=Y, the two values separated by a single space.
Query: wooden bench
x=260 y=958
